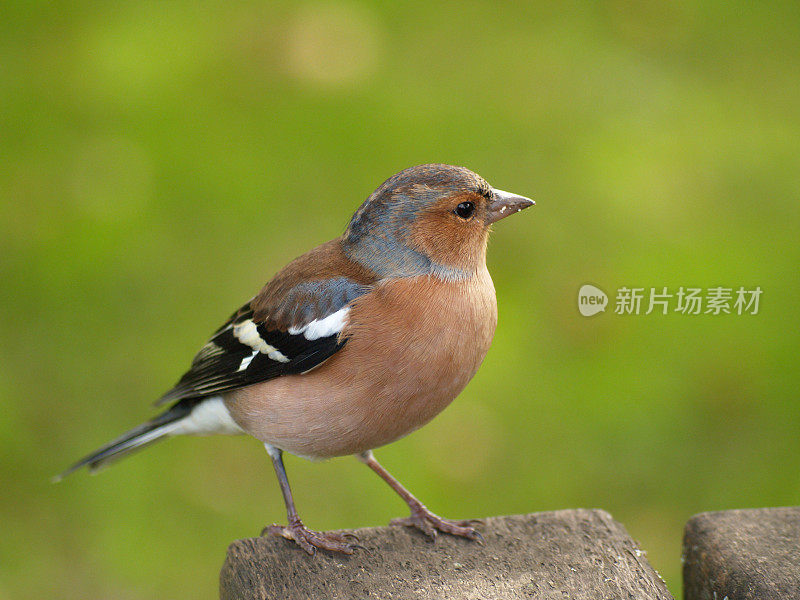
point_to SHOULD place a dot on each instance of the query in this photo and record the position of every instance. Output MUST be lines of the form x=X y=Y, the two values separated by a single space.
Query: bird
x=352 y=345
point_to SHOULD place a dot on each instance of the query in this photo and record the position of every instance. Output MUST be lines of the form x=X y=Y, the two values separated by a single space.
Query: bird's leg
x=305 y=538
x=421 y=518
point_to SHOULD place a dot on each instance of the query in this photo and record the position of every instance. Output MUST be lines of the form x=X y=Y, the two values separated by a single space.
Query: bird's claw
x=430 y=524
x=310 y=540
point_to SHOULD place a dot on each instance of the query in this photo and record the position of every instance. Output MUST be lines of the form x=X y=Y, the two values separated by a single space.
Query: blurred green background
x=160 y=161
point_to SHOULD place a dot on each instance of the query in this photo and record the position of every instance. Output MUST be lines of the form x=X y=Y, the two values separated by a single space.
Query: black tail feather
x=133 y=440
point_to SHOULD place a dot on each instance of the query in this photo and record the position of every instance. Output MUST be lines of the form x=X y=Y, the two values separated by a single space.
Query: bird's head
x=430 y=219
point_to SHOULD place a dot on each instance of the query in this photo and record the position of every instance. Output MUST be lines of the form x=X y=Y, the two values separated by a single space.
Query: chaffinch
x=354 y=344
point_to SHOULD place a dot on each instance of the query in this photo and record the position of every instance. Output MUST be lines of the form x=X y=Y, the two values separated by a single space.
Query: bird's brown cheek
x=448 y=240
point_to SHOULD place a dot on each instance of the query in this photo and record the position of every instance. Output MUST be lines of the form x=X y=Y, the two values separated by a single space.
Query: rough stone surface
x=742 y=555
x=570 y=554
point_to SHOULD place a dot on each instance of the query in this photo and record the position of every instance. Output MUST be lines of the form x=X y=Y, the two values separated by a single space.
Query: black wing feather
x=217 y=368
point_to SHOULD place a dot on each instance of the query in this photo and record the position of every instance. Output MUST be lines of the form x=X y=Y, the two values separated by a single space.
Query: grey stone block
x=570 y=554
x=743 y=555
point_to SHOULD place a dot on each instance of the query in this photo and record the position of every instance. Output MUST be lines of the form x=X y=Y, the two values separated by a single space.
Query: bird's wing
x=285 y=329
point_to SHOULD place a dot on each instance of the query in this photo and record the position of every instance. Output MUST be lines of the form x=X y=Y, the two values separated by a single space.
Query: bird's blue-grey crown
x=374 y=236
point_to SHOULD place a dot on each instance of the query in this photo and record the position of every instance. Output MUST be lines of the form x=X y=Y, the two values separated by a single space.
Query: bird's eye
x=465 y=210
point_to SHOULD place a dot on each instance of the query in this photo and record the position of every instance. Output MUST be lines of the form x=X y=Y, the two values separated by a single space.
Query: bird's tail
x=198 y=416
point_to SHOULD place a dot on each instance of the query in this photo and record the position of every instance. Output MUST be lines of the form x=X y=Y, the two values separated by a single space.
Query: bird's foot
x=430 y=524
x=310 y=540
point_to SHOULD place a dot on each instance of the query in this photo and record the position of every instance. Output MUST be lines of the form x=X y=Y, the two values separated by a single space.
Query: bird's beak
x=505 y=203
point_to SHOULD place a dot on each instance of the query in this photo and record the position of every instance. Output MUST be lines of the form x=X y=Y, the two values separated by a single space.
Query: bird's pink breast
x=413 y=344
